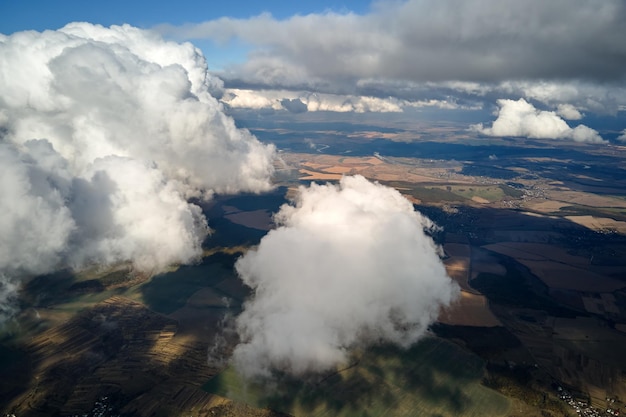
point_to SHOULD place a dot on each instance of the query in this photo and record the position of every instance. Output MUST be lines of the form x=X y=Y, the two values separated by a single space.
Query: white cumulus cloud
x=520 y=118
x=104 y=135
x=310 y=101
x=349 y=264
x=568 y=112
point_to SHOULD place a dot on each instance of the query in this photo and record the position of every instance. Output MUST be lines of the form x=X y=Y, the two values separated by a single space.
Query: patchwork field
x=331 y=167
x=599 y=224
x=539 y=251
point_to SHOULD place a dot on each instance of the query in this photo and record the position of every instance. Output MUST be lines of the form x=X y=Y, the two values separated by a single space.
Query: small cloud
x=493 y=157
x=520 y=118
x=294 y=105
x=568 y=112
x=622 y=137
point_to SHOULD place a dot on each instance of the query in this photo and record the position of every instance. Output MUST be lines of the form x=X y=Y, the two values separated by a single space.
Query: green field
x=488 y=192
x=166 y=293
x=434 y=378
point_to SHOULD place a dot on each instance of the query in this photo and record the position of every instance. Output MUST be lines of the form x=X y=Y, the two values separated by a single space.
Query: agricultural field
x=538 y=252
x=557 y=268
x=435 y=377
x=469 y=310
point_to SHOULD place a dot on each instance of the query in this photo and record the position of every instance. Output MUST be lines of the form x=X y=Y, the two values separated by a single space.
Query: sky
x=17 y=15
x=40 y=15
x=563 y=57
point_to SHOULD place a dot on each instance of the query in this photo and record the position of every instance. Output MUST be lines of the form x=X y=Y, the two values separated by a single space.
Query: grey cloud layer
x=349 y=264
x=434 y=40
x=557 y=52
x=104 y=135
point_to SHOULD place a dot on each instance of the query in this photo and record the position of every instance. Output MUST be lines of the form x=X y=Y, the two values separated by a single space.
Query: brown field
x=458 y=270
x=484 y=261
x=508 y=249
x=601 y=304
x=338 y=169
x=599 y=223
x=557 y=275
x=469 y=310
x=487 y=268
x=538 y=251
x=480 y=200
x=257 y=219
x=332 y=167
x=533 y=236
x=557 y=268
x=546 y=206
x=457 y=249
x=458 y=264
x=412 y=199
x=357 y=161
x=318 y=176
x=585 y=199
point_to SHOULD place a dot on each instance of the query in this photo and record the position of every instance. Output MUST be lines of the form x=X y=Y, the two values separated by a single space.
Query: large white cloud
x=94 y=91
x=349 y=264
x=104 y=135
x=520 y=118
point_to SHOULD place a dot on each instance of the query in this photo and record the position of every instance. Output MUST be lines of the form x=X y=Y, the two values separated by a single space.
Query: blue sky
x=39 y=15
x=17 y=15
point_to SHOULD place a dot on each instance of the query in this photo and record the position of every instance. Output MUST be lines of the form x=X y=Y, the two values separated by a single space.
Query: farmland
x=434 y=377
x=536 y=246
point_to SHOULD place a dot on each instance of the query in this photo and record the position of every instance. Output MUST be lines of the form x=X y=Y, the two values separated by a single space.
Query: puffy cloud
x=104 y=134
x=622 y=137
x=140 y=104
x=349 y=264
x=568 y=112
x=110 y=209
x=36 y=223
x=520 y=118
